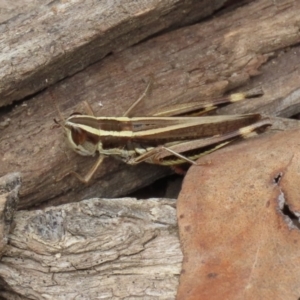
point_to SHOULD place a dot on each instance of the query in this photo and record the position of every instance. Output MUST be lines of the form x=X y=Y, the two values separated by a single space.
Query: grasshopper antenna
x=62 y=119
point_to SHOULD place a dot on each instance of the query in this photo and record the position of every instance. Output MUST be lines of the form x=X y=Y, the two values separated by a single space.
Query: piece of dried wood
x=43 y=44
x=203 y=60
x=97 y=248
x=280 y=82
x=239 y=222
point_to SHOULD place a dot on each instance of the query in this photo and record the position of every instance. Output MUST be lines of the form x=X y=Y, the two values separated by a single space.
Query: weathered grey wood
x=9 y=197
x=55 y=39
x=280 y=81
x=98 y=248
x=11 y=9
x=12 y=296
x=203 y=60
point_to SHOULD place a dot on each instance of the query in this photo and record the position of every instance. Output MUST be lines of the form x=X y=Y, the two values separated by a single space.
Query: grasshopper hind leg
x=145 y=94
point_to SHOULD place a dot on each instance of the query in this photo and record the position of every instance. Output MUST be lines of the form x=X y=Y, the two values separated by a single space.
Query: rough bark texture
x=203 y=60
x=99 y=248
x=9 y=189
x=46 y=43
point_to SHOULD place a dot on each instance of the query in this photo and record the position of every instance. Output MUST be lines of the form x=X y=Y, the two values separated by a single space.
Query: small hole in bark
x=212 y=275
x=277 y=178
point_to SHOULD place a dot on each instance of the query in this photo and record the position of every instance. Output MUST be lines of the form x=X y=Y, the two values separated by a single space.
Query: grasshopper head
x=81 y=141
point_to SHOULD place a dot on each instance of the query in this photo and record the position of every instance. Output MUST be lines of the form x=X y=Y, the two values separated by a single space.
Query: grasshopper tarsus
x=78 y=176
x=85 y=179
x=62 y=177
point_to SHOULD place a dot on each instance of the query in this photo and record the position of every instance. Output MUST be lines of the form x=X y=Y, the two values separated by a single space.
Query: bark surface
x=98 y=248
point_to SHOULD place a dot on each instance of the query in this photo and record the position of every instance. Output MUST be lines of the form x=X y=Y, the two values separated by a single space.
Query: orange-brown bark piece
x=238 y=220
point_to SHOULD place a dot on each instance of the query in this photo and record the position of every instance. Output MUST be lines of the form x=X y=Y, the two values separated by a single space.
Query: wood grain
x=9 y=196
x=44 y=42
x=99 y=248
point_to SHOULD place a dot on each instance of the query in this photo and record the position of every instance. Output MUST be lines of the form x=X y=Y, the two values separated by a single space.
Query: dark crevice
x=277 y=178
x=168 y=187
x=228 y=6
x=291 y=215
x=231 y=5
x=286 y=210
x=8 y=108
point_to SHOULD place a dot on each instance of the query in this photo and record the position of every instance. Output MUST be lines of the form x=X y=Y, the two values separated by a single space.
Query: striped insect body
x=161 y=139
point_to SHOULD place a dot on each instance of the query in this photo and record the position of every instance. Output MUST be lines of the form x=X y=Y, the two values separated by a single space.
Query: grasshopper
x=160 y=139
